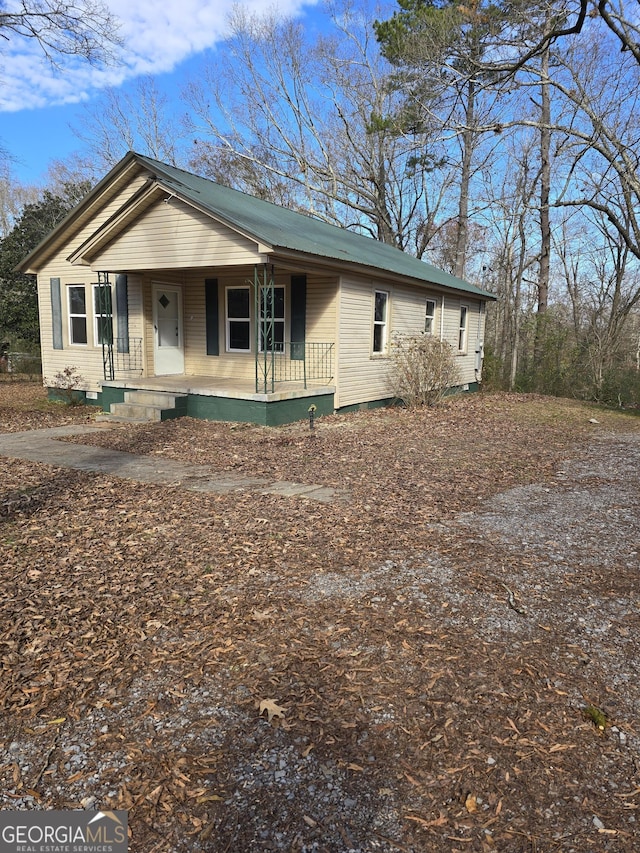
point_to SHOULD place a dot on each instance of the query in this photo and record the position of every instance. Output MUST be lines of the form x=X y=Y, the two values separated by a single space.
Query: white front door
x=167 y=323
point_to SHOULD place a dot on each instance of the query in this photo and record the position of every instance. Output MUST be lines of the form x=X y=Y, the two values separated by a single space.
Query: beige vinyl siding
x=364 y=377
x=175 y=236
x=136 y=326
x=409 y=306
x=322 y=309
x=62 y=248
x=227 y=365
x=320 y=320
x=148 y=332
x=361 y=377
x=475 y=333
x=86 y=358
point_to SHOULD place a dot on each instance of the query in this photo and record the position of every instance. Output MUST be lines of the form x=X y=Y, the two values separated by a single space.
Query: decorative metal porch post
x=104 y=310
x=264 y=295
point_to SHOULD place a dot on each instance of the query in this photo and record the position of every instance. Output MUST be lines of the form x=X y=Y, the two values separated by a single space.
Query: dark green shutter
x=122 y=312
x=298 y=316
x=56 y=312
x=212 y=316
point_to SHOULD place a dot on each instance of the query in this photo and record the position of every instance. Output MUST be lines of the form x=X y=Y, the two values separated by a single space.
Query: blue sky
x=38 y=105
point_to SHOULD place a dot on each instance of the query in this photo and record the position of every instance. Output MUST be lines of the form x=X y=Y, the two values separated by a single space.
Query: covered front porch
x=223 y=399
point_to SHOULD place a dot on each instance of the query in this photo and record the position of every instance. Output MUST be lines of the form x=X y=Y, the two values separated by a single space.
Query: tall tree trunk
x=517 y=303
x=545 y=222
x=465 y=181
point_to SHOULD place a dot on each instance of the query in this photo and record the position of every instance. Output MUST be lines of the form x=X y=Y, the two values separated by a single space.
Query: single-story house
x=167 y=292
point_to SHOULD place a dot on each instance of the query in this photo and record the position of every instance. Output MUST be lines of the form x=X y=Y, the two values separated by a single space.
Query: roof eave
x=339 y=265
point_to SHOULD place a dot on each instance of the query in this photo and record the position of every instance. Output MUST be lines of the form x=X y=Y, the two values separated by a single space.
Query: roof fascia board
x=119 y=174
x=109 y=229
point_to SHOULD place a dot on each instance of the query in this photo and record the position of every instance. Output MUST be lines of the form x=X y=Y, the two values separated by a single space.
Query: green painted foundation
x=110 y=395
x=275 y=413
x=210 y=408
x=471 y=388
x=370 y=404
x=69 y=398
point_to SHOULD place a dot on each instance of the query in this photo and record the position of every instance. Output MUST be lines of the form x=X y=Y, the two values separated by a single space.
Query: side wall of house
x=364 y=376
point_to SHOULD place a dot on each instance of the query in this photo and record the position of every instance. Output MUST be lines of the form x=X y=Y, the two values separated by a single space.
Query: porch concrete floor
x=211 y=386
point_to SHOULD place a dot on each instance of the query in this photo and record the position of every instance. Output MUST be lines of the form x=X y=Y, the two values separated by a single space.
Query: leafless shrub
x=423 y=369
x=67 y=384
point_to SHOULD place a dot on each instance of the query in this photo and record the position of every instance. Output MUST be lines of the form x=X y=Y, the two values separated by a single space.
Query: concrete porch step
x=146 y=407
x=161 y=399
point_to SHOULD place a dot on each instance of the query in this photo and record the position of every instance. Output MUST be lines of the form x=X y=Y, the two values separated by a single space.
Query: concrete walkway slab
x=41 y=445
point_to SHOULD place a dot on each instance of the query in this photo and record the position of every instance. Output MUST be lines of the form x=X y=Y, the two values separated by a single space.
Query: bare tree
x=436 y=48
x=567 y=20
x=85 y=28
x=310 y=122
x=597 y=106
x=139 y=120
x=13 y=197
x=511 y=218
x=603 y=283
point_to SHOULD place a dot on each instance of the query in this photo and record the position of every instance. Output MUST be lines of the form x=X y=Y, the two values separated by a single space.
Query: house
x=174 y=294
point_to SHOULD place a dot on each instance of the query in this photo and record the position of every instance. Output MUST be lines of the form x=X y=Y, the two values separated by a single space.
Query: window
x=380 y=311
x=102 y=314
x=77 y=314
x=462 y=332
x=430 y=317
x=238 y=319
x=272 y=309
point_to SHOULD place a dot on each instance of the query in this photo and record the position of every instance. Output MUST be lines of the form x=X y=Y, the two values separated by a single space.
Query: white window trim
x=281 y=320
x=431 y=317
x=72 y=315
x=463 y=330
x=96 y=336
x=228 y=320
x=383 y=323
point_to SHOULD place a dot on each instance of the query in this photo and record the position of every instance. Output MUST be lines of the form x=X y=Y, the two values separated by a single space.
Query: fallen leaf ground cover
x=415 y=666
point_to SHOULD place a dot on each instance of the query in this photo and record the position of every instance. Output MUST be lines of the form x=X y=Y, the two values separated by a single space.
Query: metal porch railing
x=293 y=362
x=128 y=356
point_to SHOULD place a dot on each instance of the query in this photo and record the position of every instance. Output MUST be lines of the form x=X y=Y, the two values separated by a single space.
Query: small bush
x=423 y=369
x=67 y=383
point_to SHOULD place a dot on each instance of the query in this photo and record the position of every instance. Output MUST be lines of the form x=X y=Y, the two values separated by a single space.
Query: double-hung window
x=102 y=314
x=430 y=317
x=462 y=331
x=272 y=317
x=380 y=321
x=238 y=319
x=77 y=314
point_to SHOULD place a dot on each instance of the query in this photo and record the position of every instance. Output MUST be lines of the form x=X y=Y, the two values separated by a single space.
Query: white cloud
x=157 y=36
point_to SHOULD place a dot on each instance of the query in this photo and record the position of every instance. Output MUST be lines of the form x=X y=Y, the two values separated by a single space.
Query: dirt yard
x=445 y=659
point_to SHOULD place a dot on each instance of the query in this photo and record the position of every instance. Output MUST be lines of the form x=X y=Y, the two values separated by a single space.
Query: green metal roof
x=289 y=230
x=267 y=223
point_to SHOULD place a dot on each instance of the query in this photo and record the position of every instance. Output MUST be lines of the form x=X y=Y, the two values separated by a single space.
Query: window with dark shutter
x=56 y=312
x=298 y=316
x=212 y=319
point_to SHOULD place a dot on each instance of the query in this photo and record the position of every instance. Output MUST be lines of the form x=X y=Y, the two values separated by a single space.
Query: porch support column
x=264 y=294
x=105 y=323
